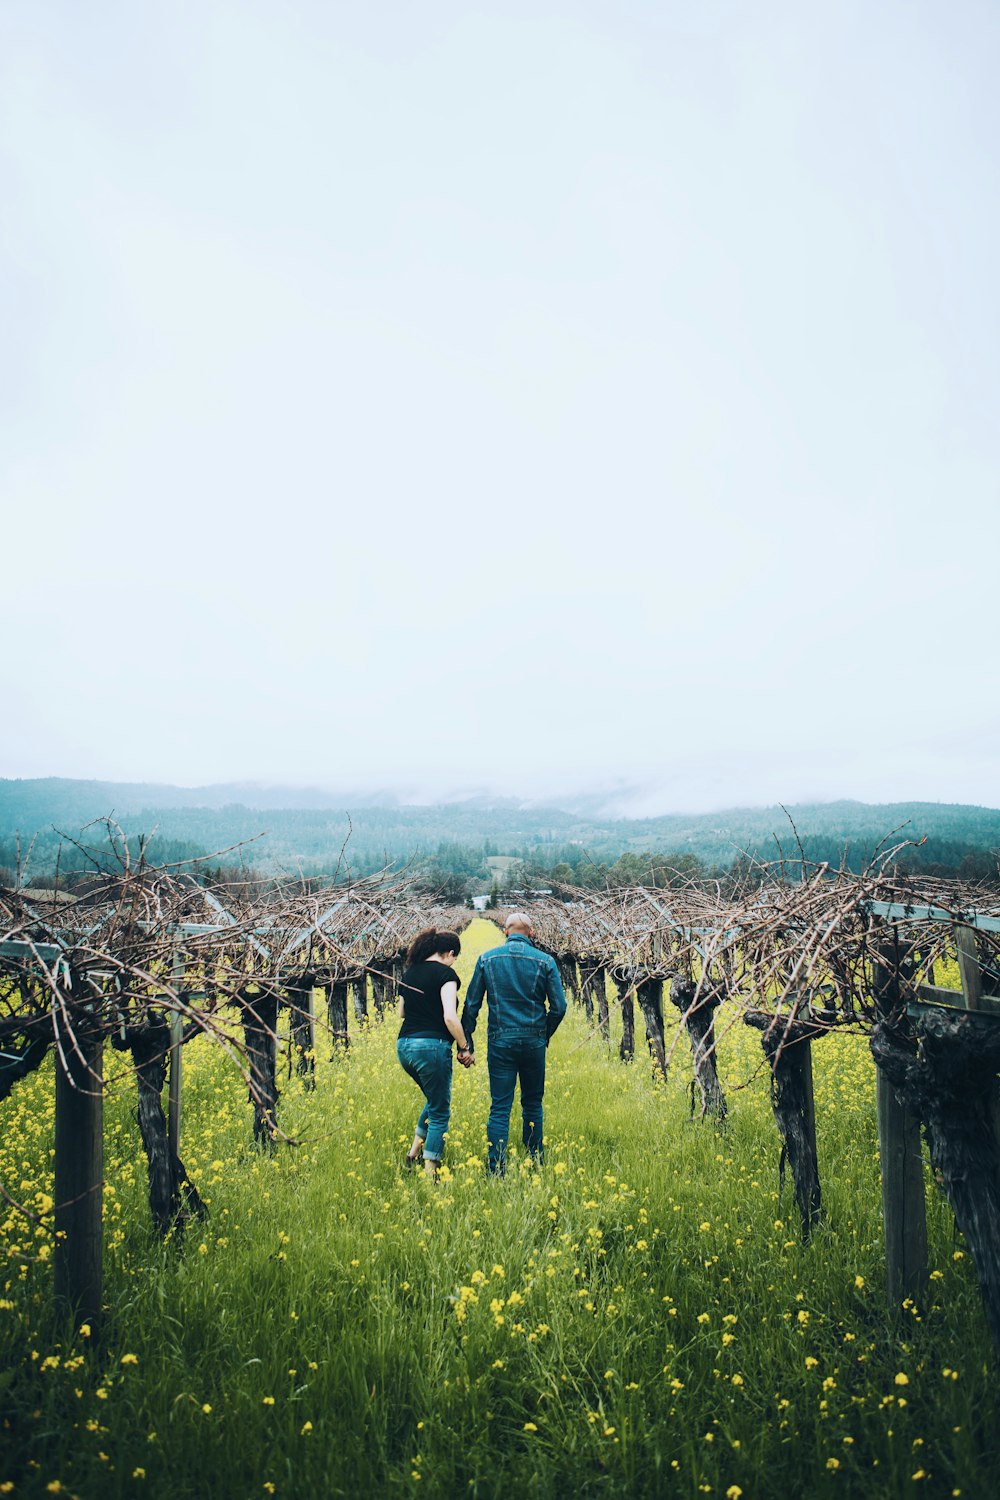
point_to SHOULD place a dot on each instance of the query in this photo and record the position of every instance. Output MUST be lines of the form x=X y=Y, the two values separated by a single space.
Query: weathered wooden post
x=150 y=1048
x=904 y=1211
x=568 y=974
x=175 y=1085
x=699 y=1018
x=588 y=969
x=399 y=966
x=793 y=1079
x=904 y=1214
x=787 y=1045
x=945 y=1066
x=337 y=1014
x=386 y=971
x=359 y=988
x=260 y=1020
x=79 y=1166
x=969 y=969
x=649 y=993
x=601 y=988
x=303 y=1029
x=382 y=984
x=592 y=989
x=625 y=985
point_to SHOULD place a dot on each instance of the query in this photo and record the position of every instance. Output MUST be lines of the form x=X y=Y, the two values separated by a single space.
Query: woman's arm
x=449 y=1004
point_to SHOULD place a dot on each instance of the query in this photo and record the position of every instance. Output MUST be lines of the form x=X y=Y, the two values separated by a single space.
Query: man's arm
x=556 y=997
x=473 y=1000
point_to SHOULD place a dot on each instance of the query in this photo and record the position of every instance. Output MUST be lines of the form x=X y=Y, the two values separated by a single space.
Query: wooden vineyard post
x=700 y=1023
x=904 y=1213
x=624 y=983
x=603 y=1019
x=787 y=1046
x=567 y=973
x=175 y=1078
x=304 y=1030
x=649 y=993
x=799 y=1062
x=904 y=1210
x=260 y=1021
x=395 y=969
x=307 y=1003
x=626 y=1050
x=79 y=1171
x=175 y=1084
x=971 y=975
x=382 y=984
x=588 y=970
x=359 y=986
x=593 y=987
x=969 y=970
x=626 y=999
x=337 y=1013
x=942 y=1055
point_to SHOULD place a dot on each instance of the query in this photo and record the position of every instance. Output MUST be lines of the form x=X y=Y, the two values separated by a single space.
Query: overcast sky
x=522 y=395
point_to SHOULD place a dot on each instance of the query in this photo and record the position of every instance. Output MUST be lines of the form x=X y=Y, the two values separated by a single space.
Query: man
x=526 y=1005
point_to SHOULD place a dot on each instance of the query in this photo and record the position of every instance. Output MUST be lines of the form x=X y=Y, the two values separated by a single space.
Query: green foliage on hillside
x=455 y=839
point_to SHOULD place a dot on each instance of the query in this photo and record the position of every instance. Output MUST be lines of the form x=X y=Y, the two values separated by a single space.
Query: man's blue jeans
x=428 y=1062
x=509 y=1062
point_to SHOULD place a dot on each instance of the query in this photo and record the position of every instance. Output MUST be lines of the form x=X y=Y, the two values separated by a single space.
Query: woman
x=429 y=1009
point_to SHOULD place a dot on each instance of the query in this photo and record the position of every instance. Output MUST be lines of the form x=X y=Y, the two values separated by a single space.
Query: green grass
x=637 y=1318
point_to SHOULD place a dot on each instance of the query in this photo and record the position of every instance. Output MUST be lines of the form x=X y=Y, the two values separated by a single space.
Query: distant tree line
x=446 y=847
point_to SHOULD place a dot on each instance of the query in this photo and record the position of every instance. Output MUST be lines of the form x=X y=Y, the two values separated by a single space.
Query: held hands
x=466 y=1057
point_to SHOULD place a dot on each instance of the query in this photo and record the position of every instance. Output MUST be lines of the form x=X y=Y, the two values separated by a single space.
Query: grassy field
x=637 y=1318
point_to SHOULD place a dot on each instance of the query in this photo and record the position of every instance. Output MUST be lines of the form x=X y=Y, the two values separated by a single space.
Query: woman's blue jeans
x=518 y=1060
x=428 y=1062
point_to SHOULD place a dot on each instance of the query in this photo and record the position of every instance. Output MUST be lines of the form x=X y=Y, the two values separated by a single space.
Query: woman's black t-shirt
x=423 y=1014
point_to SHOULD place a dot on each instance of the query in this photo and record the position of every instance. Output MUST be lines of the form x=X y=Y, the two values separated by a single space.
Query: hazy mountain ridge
x=66 y=797
x=286 y=833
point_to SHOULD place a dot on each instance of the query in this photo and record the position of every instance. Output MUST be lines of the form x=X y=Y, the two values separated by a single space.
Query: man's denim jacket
x=519 y=980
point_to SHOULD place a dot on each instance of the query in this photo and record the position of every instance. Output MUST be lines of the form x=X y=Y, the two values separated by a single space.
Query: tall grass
x=636 y=1318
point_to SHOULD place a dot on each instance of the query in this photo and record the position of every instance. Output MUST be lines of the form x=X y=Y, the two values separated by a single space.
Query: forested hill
x=308 y=829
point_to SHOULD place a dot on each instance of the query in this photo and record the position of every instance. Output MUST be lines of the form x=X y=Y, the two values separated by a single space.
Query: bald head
x=518 y=921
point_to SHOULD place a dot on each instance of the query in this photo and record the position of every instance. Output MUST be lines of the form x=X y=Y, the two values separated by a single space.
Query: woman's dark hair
x=429 y=941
